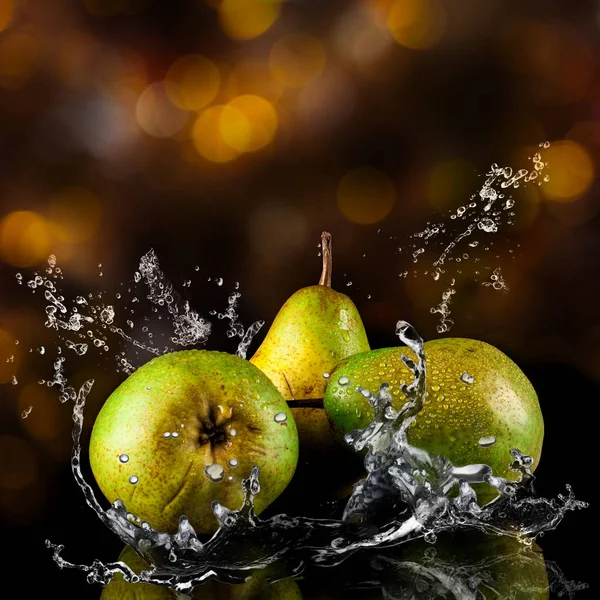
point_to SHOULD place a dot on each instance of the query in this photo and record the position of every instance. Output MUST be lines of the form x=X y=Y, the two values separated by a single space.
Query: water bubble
x=343 y=380
x=137 y=277
x=487 y=225
x=133 y=479
x=487 y=441
x=280 y=417
x=175 y=434
x=219 y=281
x=214 y=472
x=167 y=434
x=124 y=458
x=466 y=378
x=26 y=412
x=326 y=375
x=41 y=350
x=233 y=462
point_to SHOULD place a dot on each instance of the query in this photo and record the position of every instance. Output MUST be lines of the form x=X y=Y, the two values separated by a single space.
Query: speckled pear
x=314 y=330
x=479 y=403
x=184 y=430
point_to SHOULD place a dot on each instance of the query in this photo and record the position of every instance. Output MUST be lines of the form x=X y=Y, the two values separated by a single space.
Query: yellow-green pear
x=479 y=403
x=313 y=331
x=184 y=430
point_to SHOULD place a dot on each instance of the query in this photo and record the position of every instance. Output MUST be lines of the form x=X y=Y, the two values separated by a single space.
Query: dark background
x=100 y=160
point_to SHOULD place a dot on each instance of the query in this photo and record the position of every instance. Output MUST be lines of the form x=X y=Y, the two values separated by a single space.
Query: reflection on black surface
x=466 y=566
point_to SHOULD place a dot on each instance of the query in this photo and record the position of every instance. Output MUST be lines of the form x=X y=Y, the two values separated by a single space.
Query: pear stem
x=327 y=259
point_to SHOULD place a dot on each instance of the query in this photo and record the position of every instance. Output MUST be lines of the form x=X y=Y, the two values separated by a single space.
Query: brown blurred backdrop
x=227 y=134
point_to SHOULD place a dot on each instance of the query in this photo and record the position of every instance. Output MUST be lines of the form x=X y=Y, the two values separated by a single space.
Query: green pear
x=256 y=588
x=479 y=403
x=314 y=330
x=184 y=430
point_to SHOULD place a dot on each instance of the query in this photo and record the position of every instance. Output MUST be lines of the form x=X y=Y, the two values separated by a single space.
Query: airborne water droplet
x=343 y=380
x=133 y=479
x=14 y=380
x=214 y=472
x=175 y=434
x=280 y=417
x=233 y=462
x=232 y=432
x=487 y=441
x=26 y=412
x=167 y=434
x=466 y=378
x=124 y=458
x=326 y=375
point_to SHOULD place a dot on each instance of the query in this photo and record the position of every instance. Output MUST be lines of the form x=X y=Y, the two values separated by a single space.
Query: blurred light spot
x=8 y=348
x=192 y=82
x=156 y=115
x=46 y=420
x=579 y=211
x=358 y=38
x=19 y=464
x=6 y=12
x=320 y=106
x=247 y=19
x=24 y=238
x=76 y=56
x=570 y=170
x=18 y=55
x=248 y=123
x=451 y=182
x=207 y=136
x=75 y=214
x=417 y=24
x=297 y=59
x=365 y=195
x=103 y=8
x=379 y=10
x=252 y=77
x=269 y=239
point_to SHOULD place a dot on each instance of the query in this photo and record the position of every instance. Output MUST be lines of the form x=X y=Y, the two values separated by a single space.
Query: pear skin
x=314 y=330
x=157 y=435
x=469 y=423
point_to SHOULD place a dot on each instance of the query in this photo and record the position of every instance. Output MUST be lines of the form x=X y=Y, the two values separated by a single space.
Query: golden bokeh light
x=251 y=76
x=6 y=13
x=248 y=123
x=207 y=135
x=74 y=214
x=18 y=56
x=417 y=24
x=46 y=421
x=451 y=182
x=297 y=59
x=156 y=114
x=247 y=19
x=366 y=195
x=570 y=170
x=24 y=238
x=192 y=82
x=19 y=464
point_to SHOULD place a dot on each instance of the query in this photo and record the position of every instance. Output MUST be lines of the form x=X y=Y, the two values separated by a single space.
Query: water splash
x=487 y=212
x=418 y=486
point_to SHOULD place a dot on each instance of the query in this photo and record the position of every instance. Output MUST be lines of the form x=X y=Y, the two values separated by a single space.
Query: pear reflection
x=461 y=566
x=256 y=588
